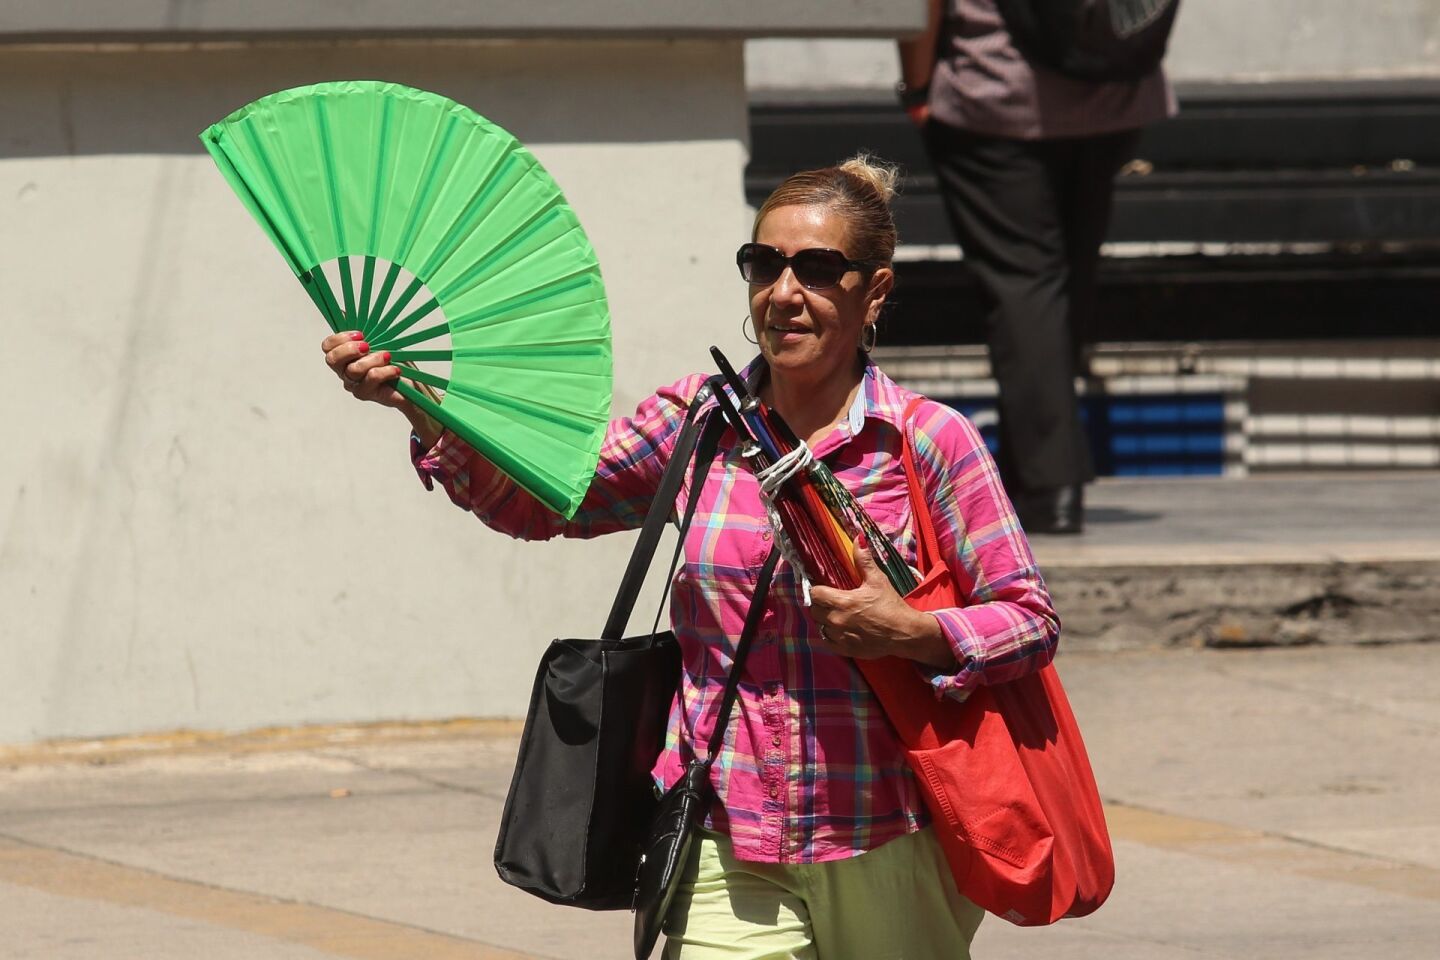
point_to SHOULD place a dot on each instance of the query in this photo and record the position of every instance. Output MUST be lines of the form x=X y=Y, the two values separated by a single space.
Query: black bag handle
x=704 y=453
x=660 y=508
x=742 y=649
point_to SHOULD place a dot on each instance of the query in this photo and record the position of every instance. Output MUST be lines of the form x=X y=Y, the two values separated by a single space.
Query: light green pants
x=897 y=902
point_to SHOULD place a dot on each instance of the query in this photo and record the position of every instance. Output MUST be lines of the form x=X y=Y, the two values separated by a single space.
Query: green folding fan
x=434 y=232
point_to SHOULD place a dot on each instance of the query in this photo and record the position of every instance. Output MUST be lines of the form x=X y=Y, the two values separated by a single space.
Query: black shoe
x=1052 y=510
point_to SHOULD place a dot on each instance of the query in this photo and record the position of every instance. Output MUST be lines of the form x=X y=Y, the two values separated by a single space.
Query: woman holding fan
x=818 y=842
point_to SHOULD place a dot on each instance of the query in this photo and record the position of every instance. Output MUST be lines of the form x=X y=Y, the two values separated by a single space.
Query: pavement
x=1267 y=799
x=1269 y=803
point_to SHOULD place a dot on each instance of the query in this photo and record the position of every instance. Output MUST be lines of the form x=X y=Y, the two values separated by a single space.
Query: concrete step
x=1226 y=408
x=1350 y=558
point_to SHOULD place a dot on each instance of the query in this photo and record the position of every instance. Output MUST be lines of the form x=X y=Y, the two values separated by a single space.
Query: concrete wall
x=197 y=527
x=1239 y=41
x=31 y=20
x=1214 y=41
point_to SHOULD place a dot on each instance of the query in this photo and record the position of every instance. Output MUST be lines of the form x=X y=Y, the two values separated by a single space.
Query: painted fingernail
x=385 y=356
x=356 y=335
x=364 y=347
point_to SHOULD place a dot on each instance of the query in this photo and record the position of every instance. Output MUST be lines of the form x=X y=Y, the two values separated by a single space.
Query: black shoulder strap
x=660 y=509
x=742 y=648
x=704 y=454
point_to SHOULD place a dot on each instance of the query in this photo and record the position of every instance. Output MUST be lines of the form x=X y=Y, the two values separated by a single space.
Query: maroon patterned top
x=983 y=84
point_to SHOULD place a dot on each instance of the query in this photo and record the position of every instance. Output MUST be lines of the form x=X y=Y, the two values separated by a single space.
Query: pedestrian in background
x=1026 y=157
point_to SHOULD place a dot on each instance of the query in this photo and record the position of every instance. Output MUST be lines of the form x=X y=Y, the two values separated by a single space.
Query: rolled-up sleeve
x=1007 y=626
x=632 y=460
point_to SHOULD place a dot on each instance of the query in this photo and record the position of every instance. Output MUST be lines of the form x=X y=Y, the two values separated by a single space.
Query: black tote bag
x=581 y=798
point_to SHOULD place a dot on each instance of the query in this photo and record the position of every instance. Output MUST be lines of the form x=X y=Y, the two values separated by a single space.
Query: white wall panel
x=197 y=528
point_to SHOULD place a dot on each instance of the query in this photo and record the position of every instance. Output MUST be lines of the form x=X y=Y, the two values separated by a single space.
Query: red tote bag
x=1005 y=774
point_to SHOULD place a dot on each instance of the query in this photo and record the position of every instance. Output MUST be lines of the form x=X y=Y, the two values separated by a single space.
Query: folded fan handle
x=660 y=508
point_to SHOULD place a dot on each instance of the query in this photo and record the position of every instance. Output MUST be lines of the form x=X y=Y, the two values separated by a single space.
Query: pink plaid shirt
x=811 y=769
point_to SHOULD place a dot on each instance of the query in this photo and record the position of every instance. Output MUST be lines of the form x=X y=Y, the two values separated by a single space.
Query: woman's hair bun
x=859 y=190
x=881 y=176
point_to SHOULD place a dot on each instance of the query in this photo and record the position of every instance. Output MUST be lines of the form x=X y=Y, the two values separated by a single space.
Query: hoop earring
x=873 y=336
x=746 y=327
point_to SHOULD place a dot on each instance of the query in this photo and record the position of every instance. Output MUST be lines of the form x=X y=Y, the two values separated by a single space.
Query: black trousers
x=1029 y=216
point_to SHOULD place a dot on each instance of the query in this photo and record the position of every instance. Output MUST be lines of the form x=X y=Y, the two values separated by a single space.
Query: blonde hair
x=859 y=190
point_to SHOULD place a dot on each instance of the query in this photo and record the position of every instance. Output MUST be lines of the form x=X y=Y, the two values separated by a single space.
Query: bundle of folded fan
x=816 y=520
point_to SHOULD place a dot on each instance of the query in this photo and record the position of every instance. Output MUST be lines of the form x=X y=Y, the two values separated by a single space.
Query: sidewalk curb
x=108 y=750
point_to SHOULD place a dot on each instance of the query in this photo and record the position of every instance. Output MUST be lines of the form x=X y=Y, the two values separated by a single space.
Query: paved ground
x=1265 y=804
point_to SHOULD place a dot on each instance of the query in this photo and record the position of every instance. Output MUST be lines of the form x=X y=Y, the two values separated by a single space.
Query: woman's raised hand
x=371 y=376
x=366 y=375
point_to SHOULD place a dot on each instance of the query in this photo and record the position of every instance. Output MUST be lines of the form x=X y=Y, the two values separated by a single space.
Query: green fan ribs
x=440 y=238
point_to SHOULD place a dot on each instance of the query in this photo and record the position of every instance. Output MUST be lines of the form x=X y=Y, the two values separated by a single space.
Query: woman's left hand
x=873 y=620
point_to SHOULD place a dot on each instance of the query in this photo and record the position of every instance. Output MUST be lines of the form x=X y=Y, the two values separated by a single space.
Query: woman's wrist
x=422 y=425
x=921 y=639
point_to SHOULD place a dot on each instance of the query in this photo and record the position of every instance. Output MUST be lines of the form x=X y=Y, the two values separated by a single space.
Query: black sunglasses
x=816 y=268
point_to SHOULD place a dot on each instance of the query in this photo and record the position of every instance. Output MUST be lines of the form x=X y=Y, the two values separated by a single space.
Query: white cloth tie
x=772 y=478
